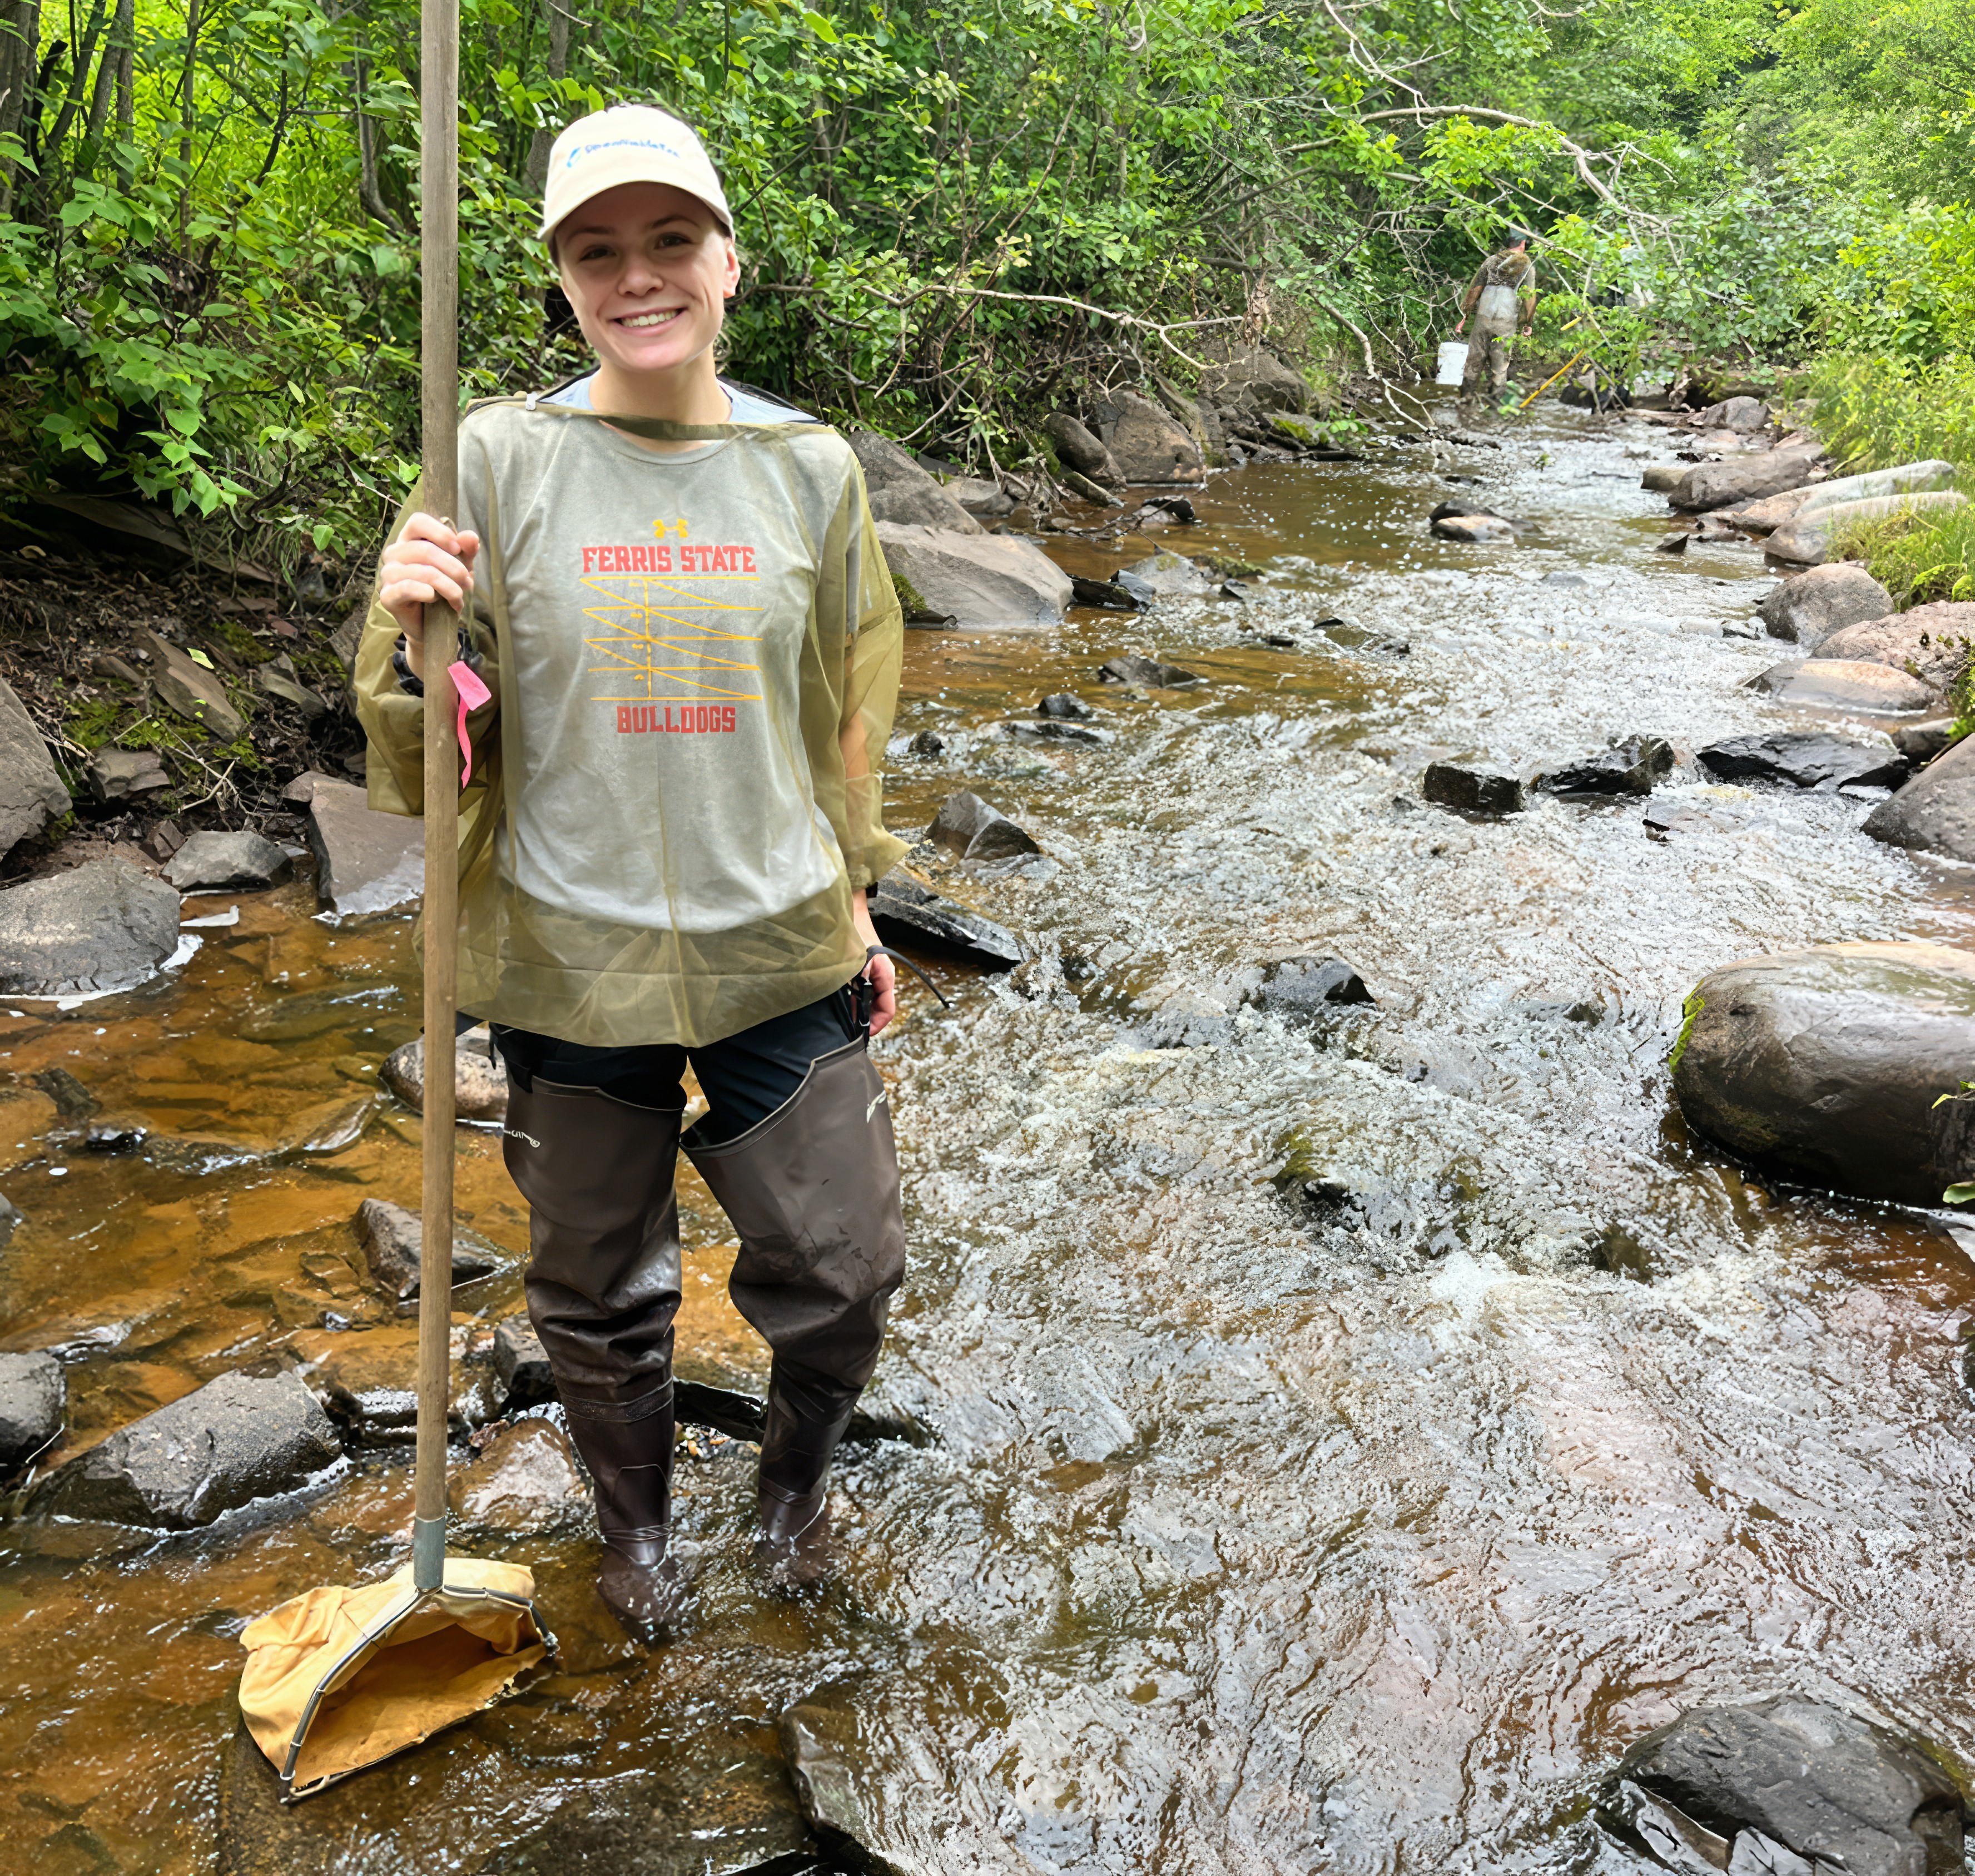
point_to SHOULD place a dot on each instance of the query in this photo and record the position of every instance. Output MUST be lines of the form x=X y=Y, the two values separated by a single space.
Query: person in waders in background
x=674 y=599
x=1502 y=302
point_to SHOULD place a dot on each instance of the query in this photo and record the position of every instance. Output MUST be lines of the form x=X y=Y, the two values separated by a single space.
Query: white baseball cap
x=627 y=143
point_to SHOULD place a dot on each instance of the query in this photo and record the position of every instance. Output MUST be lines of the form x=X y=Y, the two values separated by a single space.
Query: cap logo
x=621 y=142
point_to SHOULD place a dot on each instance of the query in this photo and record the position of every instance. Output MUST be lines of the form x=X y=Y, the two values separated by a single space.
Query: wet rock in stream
x=101 y=926
x=976 y=830
x=1790 y=1786
x=234 y=1440
x=1929 y=642
x=906 y=910
x=1935 y=812
x=1804 y=759
x=1920 y=743
x=1485 y=793
x=1807 y=608
x=1130 y=668
x=479 y=1083
x=526 y=1480
x=34 y=1400
x=832 y=1761
x=1627 y=768
x=1050 y=730
x=1302 y=990
x=216 y=861
x=1743 y=478
x=1829 y=1065
x=985 y=582
x=521 y=1365
x=1845 y=684
x=1061 y=704
x=367 y=1382
x=1474 y=528
x=520 y=1799
x=1161 y=576
x=1111 y=595
x=391 y=1237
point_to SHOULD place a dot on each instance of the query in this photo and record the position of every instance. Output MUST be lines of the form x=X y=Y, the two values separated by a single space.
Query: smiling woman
x=689 y=648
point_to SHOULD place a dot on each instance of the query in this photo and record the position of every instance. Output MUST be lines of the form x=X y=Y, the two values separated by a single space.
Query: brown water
x=1355 y=1533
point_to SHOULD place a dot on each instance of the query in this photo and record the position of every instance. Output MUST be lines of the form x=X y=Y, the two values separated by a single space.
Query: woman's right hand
x=428 y=561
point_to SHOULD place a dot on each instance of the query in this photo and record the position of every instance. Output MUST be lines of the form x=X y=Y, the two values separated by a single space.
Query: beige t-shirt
x=683 y=644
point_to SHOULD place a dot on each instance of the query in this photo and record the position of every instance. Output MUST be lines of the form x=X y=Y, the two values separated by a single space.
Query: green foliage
x=1874 y=412
x=211 y=300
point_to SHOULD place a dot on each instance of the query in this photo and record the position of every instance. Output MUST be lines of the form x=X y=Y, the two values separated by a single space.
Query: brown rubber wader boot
x=813 y=1191
x=602 y=1288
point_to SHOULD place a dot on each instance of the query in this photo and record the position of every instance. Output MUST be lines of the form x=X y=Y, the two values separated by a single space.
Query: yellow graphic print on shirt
x=667 y=645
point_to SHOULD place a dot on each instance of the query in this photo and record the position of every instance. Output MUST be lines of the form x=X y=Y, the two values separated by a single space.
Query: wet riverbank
x=1345 y=1443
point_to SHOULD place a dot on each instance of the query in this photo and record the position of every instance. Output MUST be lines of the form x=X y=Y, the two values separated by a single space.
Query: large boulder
x=191 y=690
x=31 y=794
x=1834 y=683
x=1257 y=380
x=1804 y=759
x=1741 y=415
x=1908 y=479
x=900 y=489
x=1929 y=643
x=1789 y=1786
x=1808 y=607
x=366 y=861
x=1806 y=540
x=1077 y=447
x=34 y=1394
x=1827 y=1064
x=1935 y=812
x=1147 y=445
x=1742 y=478
x=981 y=582
x=216 y=862
x=234 y=1440
x=104 y=926
x=479 y=1083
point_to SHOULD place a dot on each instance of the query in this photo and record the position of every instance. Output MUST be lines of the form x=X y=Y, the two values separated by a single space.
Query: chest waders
x=812 y=1189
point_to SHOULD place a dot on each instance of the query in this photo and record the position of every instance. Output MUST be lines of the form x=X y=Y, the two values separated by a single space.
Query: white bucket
x=1453 y=361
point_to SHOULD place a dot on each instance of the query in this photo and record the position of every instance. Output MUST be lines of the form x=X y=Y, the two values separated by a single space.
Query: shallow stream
x=1338 y=1446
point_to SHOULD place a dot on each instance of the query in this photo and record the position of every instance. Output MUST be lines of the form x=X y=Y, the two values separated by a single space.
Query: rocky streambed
x=1340 y=1408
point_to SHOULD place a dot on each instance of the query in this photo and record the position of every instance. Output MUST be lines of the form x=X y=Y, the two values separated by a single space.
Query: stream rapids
x=1339 y=1447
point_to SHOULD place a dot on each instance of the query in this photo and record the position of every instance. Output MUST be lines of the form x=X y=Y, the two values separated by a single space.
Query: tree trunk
x=369 y=195
x=122 y=30
x=545 y=138
x=78 y=81
x=188 y=120
x=20 y=40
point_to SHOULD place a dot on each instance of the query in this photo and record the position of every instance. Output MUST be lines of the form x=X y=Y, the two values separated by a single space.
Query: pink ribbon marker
x=472 y=694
